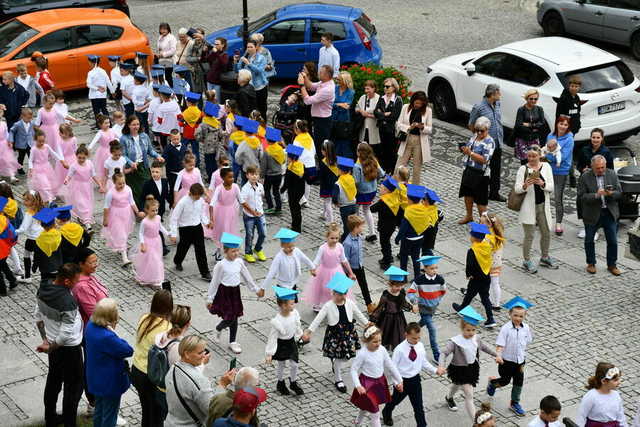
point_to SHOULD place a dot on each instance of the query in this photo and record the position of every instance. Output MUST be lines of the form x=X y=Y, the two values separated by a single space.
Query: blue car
x=292 y=35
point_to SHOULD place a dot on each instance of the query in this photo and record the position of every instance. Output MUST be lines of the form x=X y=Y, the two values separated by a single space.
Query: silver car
x=614 y=21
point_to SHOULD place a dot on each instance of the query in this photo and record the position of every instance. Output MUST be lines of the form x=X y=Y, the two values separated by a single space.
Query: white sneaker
x=595 y=236
x=581 y=233
x=216 y=336
x=121 y=421
x=23 y=279
x=235 y=347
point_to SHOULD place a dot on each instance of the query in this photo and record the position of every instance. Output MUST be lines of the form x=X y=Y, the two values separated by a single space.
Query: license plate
x=610 y=108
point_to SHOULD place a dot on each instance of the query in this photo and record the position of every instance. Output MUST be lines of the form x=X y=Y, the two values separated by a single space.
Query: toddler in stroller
x=289 y=110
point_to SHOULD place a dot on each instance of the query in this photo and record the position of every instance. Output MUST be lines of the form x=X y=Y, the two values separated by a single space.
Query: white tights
x=15 y=261
x=293 y=370
x=328 y=209
x=368 y=217
x=495 y=293
x=337 y=367
x=374 y=417
x=467 y=389
x=307 y=191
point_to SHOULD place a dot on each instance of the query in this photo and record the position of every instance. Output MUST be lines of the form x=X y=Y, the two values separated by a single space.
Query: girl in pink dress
x=49 y=121
x=186 y=178
x=215 y=181
x=103 y=138
x=67 y=146
x=226 y=208
x=118 y=218
x=147 y=263
x=80 y=187
x=41 y=173
x=8 y=163
x=329 y=259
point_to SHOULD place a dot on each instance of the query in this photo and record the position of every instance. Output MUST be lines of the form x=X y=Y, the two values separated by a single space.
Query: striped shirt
x=493 y=113
x=427 y=291
x=485 y=148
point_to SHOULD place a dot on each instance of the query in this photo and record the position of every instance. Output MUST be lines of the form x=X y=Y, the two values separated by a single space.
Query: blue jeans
x=427 y=320
x=249 y=223
x=195 y=148
x=106 y=412
x=218 y=90
x=610 y=228
x=210 y=164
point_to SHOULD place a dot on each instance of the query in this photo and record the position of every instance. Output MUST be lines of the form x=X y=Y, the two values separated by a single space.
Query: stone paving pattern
x=578 y=319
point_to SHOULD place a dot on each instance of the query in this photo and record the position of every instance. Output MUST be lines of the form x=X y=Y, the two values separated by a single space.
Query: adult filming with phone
x=256 y=63
x=218 y=60
x=189 y=391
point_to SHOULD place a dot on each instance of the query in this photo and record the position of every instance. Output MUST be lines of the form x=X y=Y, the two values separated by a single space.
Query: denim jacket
x=258 y=75
x=129 y=151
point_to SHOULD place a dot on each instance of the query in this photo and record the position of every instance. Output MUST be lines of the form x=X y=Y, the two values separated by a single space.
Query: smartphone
x=237 y=52
x=608 y=187
x=233 y=363
x=166 y=285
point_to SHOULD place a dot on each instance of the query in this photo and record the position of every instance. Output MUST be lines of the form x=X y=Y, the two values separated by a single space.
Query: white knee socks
x=337 y=366
x=328 y=209
x=15 y=260
x=374 y=417
x=293 y=370
x=307 y=191
x=368 y=217
x=495 y=293
x=468 y=400
x=280 y=369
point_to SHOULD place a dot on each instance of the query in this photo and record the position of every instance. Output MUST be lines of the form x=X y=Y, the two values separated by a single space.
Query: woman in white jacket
x=536 y=180
x=416 y=122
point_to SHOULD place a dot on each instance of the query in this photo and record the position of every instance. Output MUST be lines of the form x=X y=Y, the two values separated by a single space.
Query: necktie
x=412 y=354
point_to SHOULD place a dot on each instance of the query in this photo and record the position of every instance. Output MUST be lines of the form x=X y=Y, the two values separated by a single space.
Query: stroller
x=286 y=115
x=629 y=177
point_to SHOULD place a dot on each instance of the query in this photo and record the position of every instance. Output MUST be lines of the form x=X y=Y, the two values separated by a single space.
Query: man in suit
x=173 y=156
x=159 y=188
x=599 y=193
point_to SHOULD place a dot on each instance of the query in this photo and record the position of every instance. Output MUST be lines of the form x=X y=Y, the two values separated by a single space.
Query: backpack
x=158 y=363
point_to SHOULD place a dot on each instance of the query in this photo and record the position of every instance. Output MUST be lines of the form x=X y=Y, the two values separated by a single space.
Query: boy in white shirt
x=98 y=83
x=166 y=115
x=253 y=215
x=140 y=99
x=549 y=413
x=126 y=87
x=114 y=75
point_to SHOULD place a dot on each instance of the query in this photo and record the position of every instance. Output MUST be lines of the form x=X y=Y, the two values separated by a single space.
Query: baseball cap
x=247 y=399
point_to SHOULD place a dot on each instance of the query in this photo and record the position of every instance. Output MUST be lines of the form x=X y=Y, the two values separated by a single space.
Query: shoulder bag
x=514 y=200
x=182 y=401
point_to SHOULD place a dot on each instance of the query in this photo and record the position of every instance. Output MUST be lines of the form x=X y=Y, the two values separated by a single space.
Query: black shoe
x=3 y=293
x=456 y=306
x=282 y=388
x=165 y=251
x=206 y=277
x=179 y=267
x=497 y=198
x=293 y=385
x=371 y=238
x=398 y=257
x=13 y=285
x=341 y=387
x=21 y=171
x=385 y=267
x=572 y=180
x=496 y=308
x=463 y=291
x=384 y=261
x=387 y=420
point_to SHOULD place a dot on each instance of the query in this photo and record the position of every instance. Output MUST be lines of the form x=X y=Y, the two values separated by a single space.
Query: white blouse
x=370 y=123
x=230 y=274
x=330 y=312
x=283 y=328
x=601 y=407
x=285 y=269
x=373 y=365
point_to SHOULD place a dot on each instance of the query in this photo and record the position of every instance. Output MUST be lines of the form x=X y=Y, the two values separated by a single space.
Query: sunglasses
x=387 y=87
x=533 y=99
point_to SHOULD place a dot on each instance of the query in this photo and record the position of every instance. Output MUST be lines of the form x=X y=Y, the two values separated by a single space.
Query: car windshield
x=12 y=34
x=258 y=23
x=614 y=75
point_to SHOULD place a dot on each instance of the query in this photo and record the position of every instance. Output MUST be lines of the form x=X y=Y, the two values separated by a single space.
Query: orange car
x=65 y=37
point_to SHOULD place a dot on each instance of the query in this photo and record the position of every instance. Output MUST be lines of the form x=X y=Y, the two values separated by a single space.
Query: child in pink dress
x=186 y=178
x=80 y=187
x=67 y=146
x=40 y=171
x=103 y=138
x=49 y=121
x=118 y=219
x=329 y=260
x=226 y=209
x=215 y=181
x=8 y=163
x=147 y=263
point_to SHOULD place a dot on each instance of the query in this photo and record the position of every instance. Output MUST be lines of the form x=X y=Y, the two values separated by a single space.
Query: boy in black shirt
x=73 y=236
x=569 y=105
x=387 y=209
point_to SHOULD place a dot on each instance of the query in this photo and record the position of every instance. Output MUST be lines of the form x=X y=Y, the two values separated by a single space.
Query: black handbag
x=182 y=401
x=402 y=136
x=341 y=130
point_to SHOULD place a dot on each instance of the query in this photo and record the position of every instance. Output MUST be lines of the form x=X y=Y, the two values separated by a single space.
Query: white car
x=610 y=93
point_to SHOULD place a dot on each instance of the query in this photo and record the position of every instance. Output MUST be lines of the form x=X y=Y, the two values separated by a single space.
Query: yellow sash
x=72 y=232
x=237 y=137
x=262 y=131
x=231 y=117
x=297 y=167
x=276 y=151
x=484 y=254
x=305 y=140
x=421 y=217
x=49 y=241
x=348 y=185
x=404 y=200
x=11 y=208
x=191 y=115
x=392 y=200
x=333 y=168
x=211 y=121
x=252 y=141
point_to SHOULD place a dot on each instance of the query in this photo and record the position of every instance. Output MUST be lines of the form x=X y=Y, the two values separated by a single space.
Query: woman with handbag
x=340 y=115
x=365 y=107
x=529 y=126
x=535 y=181
x=189 y=391
x=415 y=123
x=387 y=112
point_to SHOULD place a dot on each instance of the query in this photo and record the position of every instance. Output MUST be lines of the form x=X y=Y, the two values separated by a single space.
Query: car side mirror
x=581 y=1
x=470 y=68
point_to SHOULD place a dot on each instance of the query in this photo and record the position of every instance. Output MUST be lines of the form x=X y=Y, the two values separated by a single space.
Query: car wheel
x=444 y=101
x=552 y=24
x=635 y=45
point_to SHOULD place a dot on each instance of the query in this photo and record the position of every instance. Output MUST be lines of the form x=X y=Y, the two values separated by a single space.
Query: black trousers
x=321 y=131
x=261 y=101
x=509 y=370
x=99 y=106
x=151 y=410
x=495 y=166
x=144 y=121
x=193 y=235
x=385 y=234
x=65 y=368
x=389 y=151
x=410 y=248
x=129 y=110
x=362 y=282
x=272 y=188
x=22 y=152
x=413 y=389
x=6 y=272
x=345 y=211
x=475 y=287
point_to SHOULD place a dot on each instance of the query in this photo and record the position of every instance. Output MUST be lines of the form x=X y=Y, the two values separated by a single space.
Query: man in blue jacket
x=12 y=98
